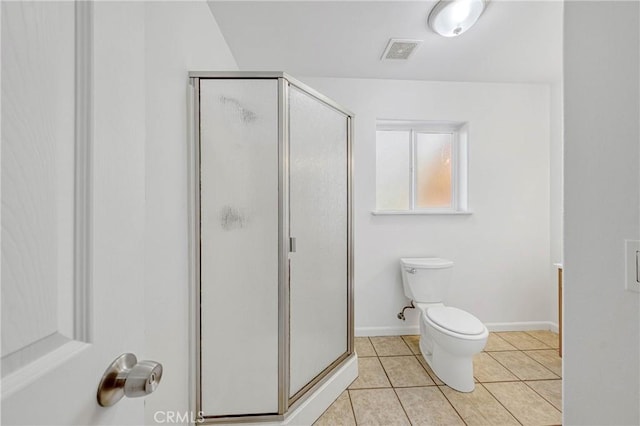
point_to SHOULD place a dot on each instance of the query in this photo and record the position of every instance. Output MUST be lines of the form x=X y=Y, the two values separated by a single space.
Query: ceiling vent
x=400 y=48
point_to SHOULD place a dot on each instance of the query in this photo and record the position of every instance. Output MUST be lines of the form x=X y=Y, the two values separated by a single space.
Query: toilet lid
x=455 y=320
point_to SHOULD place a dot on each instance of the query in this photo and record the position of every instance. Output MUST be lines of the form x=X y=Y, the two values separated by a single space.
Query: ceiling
x=514 y=41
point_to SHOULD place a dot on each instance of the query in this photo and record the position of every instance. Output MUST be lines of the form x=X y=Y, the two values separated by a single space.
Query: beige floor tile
x=428 y=406
x=405 y=371
x=522 y=340
x=551 y=390
x=522 y=366
x=370 y=375
x=377 y=407
x=487 y=369
x=497 y=343
x=479 y=407
x=414 y=343
x=364 y=347
x=339 y=413
x=525 y=404
x=549 y=359
x=547 y=337
x=390 y=346
x=430 y=372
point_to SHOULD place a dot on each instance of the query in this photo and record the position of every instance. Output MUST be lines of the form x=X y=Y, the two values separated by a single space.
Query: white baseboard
x=522 y=326
x=492 y=326
x=387 y=331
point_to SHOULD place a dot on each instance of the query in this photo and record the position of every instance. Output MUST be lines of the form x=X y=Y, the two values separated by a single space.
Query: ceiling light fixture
x=450 y=18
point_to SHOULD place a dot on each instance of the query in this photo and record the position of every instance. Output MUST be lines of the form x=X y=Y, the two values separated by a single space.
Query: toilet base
x=454 y=371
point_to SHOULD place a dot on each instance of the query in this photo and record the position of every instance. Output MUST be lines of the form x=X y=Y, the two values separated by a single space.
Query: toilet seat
x=455 y=320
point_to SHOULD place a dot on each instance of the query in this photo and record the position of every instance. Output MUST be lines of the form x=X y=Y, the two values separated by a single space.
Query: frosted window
x=393 y=178
x=421 y=167
x=433 y=170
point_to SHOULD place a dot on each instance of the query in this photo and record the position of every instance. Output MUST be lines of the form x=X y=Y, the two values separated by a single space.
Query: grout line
x=536 y=361
x=553 y=372
x=505 y=367
x=373 y=346
x=414 y=386
x=519 y=378
x=517 y=348
x=500 y=402
x=385 y=372
x=433 y=379
x=394 y=356
x=402 y=406
x=538 y=339
x=359 y=389
x=540 y=395
x=352 y=409
x=423 y=367
x=406 y=344
x=502 y=381
x=495 y=334
x=452 y=406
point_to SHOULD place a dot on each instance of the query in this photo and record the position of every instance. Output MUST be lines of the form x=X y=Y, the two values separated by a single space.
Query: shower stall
x=272 y=255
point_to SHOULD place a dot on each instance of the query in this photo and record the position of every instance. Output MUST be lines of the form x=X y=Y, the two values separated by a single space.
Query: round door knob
x=128 y=377
x=142 y=379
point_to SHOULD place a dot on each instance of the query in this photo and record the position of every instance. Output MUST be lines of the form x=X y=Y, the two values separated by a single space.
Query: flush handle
x=128 y=377
x=411 y=270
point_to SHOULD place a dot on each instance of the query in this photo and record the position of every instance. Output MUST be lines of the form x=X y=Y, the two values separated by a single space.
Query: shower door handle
x=292 y=245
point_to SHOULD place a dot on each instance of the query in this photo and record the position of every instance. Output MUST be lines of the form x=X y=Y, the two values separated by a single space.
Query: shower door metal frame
x=285 y=403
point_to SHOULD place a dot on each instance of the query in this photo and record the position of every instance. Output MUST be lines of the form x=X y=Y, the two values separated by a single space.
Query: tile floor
x=518 y=381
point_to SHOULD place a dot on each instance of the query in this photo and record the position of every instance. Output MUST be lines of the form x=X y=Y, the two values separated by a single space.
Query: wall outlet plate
x=632 y=262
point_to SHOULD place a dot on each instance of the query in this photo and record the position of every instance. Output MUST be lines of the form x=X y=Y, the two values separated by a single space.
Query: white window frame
x=459 y=166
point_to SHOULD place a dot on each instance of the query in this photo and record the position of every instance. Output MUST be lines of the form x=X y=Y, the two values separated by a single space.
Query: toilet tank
x=426 y=279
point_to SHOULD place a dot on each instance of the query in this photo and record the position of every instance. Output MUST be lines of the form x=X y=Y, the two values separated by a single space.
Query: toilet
x=449 y=337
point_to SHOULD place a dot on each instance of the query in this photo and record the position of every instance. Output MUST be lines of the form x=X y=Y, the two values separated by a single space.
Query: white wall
x=501 y=252
x=602 y=198
x=180 y=37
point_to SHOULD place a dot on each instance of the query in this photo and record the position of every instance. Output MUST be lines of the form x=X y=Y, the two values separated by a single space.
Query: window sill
x=419 y=213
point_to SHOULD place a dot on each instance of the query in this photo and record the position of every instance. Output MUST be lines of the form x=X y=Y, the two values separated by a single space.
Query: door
x=238 y=246
x=72 y=207
x=319 y=222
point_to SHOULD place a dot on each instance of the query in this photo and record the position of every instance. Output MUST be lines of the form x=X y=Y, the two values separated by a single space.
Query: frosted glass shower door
x=239 y=246
x=318 y=191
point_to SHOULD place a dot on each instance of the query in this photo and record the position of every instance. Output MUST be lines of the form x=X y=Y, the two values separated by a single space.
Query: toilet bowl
x=448 y=343
x=449 y=337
